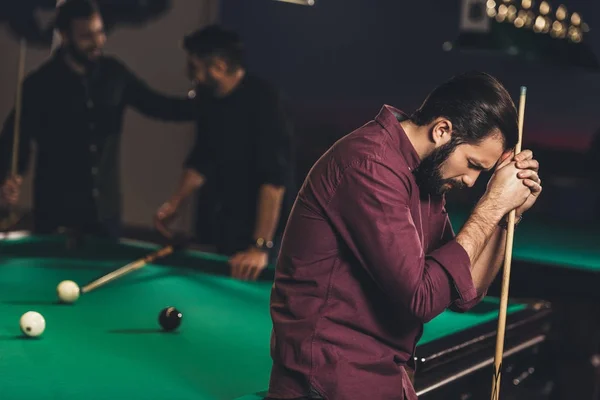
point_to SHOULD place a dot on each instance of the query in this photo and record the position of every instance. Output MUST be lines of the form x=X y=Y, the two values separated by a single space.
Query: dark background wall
x=355 y=55
x=339 y=61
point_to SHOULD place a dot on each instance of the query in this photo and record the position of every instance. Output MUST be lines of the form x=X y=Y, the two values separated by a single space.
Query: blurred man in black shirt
x=73 y=107
x=242 y=157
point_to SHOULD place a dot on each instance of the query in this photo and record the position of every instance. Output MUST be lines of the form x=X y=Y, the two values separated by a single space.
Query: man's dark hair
x=74 y=9
x=215 y=41
x=477 y=104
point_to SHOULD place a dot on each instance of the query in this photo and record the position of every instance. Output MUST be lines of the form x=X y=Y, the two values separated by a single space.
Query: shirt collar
x=390 y=117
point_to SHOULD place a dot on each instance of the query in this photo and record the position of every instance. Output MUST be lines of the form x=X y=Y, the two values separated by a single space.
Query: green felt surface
x=109 y=345
x=550 y=243
x=254 y=396
x=450 y=322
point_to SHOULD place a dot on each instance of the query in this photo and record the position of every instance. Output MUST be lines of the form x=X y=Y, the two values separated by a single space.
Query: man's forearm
x=270 y=198
x=491 y=259
x=489 y=262
x=190 y=182
x=478 y=230
x=484 y=241
x=155 y=104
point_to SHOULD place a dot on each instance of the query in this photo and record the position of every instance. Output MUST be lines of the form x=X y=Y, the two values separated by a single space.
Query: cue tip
x=523 y=90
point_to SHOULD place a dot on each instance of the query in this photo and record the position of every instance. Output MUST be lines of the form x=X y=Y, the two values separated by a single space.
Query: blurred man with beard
x=369 y=254
x=72 y=110
x=241 y=164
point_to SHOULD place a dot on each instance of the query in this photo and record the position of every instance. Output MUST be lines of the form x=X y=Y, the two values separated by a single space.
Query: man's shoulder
x=49 y=71
x=257 y=82
x=113 y=64
x=261 y=88
x=44 y=71
x=362 y=160
x=370 y=144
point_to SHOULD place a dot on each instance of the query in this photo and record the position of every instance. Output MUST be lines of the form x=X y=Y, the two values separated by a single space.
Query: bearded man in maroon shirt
x=369 y=254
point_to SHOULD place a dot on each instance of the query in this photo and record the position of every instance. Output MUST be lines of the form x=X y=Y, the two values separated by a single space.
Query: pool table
x=109 y=345
x=559 y=262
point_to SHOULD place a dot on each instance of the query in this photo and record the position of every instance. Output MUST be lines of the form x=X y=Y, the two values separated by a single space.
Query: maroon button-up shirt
x=366 y=260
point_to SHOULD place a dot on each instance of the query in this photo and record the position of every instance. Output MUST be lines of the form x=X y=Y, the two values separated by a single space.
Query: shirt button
x=95 y=170
x=92 y=126
x=96 y=192
x=93 y=148
x=90 y=104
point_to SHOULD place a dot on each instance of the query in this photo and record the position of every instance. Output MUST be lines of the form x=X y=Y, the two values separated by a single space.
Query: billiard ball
x=32 y=324
x=68 y=291
x=170 y=318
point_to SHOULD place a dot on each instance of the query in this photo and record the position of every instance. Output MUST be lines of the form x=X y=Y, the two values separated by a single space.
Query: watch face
x=262 y=243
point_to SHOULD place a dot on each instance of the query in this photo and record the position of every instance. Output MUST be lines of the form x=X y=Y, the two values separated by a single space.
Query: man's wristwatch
x=504 y=221
x=263 y=244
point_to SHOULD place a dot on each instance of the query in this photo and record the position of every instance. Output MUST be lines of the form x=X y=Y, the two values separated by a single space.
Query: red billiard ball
x=170 y=318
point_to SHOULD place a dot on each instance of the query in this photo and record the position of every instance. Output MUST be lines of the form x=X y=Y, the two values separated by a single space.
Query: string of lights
x=541 y=19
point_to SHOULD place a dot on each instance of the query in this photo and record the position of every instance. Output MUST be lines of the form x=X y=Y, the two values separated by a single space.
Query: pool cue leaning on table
x=506 y=274
x=12 y=216
x=132 y=266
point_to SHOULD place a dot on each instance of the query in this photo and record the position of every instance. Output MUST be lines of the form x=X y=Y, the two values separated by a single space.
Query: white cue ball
x=32 y=324
x=68 y=291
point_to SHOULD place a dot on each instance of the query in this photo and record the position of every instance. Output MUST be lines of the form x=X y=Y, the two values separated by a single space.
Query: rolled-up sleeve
x=462 y=303
x=201 y=157
x=371 y=210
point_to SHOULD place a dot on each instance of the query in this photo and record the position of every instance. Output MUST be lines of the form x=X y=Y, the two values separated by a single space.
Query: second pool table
x=109 y=345
x=559 y=262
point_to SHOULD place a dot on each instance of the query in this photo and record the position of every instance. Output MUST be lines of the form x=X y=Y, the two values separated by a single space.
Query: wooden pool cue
x=126 y=269
x=13 y=217
x=506 y=274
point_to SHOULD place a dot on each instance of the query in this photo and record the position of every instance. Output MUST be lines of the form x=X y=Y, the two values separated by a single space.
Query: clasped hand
x=515 y=184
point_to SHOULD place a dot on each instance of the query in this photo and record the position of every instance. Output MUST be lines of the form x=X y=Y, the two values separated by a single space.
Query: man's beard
x=80 y=56
x=429 y=175
x=211 y=85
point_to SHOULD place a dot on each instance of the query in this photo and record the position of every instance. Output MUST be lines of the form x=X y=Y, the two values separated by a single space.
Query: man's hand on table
x=164 y=216
x=11 y=191
x=247 y=265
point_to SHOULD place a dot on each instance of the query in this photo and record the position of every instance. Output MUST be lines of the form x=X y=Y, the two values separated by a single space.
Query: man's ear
x=64 y=38
x=506 y=158
x=441 y=131
x=508 y=153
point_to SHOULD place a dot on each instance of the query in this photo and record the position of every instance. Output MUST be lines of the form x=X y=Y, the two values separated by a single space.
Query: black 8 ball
x=170 y=318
